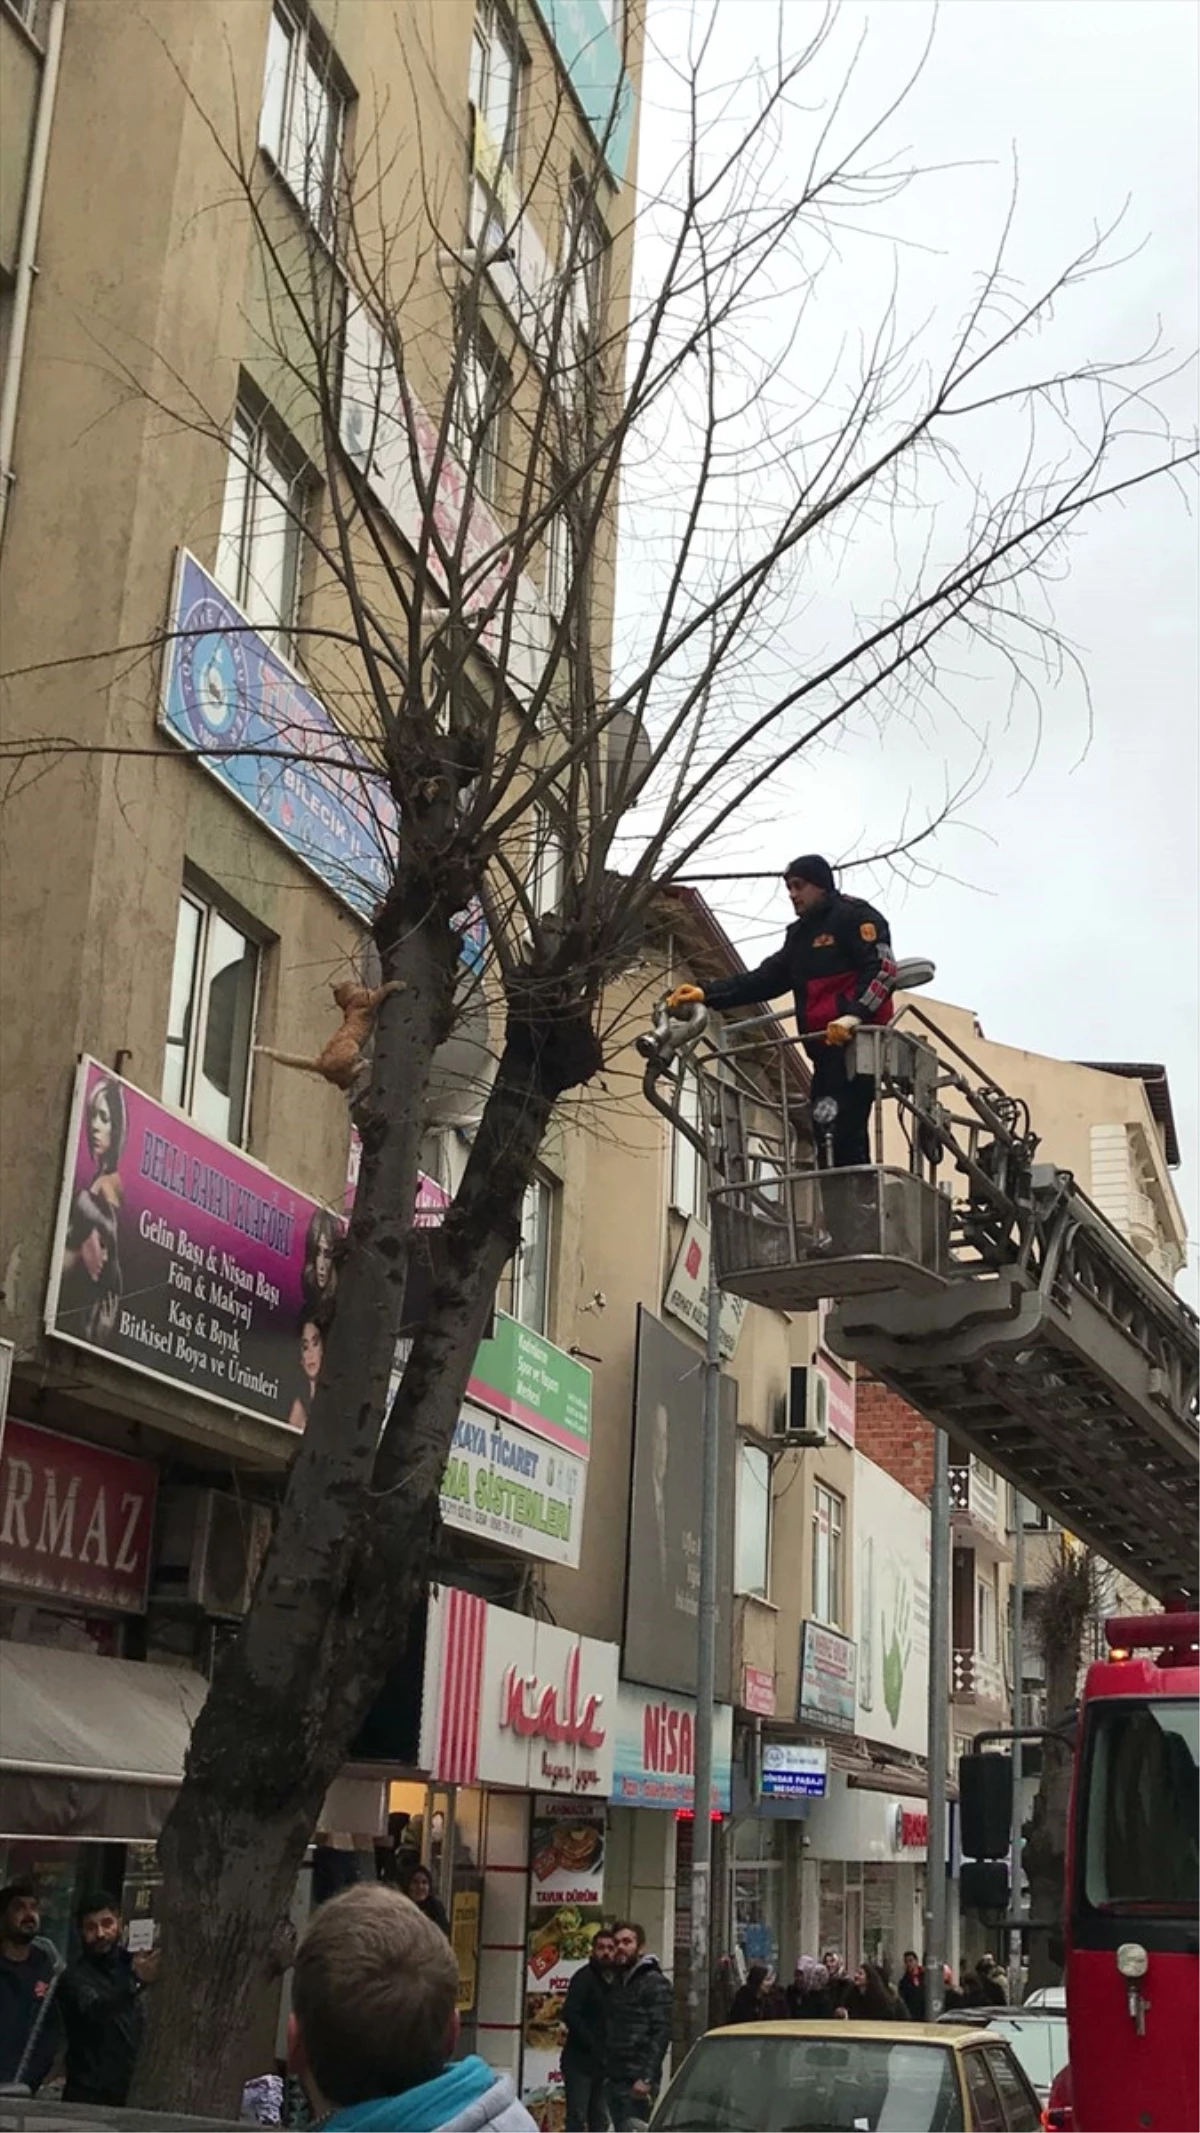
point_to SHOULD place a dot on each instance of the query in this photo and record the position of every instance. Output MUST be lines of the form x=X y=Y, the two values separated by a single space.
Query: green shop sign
x=529 y=1380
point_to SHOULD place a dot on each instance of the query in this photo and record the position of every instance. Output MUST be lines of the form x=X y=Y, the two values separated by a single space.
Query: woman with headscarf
x=809 y=1998
x=759 y=1999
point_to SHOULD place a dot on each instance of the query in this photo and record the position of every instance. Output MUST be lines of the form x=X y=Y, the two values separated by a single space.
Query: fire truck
x=1131 y=1916
x=1132 y=1932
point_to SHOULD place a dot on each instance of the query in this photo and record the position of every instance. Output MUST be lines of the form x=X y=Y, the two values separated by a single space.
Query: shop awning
x=91 y=1747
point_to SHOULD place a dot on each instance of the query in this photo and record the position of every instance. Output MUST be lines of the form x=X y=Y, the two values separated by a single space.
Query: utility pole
x=1018 y=1719
x=939 y=1723
x=706 y=1660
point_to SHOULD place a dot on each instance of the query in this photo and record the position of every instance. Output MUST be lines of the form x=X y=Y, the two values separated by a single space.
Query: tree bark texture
x=352 y=1547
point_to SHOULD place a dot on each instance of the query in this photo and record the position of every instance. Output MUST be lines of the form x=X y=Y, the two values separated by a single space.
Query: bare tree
x=1063 y=1608
x=514 y=763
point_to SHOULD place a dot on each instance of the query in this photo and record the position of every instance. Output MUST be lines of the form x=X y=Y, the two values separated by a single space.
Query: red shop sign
x=545 y=1713
x=75 y=1521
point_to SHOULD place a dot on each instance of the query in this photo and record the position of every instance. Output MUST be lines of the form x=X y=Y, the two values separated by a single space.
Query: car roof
x=943 y=2033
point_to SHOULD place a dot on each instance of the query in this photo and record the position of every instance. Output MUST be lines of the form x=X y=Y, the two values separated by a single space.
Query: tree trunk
x=349 y=1557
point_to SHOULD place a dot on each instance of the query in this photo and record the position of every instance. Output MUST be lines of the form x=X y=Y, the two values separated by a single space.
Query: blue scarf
x=452 y=2091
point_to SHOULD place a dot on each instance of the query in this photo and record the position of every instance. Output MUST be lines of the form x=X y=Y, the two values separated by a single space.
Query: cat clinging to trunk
x=341 y=1061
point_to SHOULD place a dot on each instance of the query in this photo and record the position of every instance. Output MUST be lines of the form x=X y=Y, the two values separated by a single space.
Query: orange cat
x=341 y=1061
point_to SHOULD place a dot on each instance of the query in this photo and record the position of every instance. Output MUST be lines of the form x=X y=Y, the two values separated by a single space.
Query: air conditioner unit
x=210 y=1549
x=807 y=1420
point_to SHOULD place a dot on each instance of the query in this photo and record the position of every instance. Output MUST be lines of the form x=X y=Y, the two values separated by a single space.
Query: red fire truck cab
x=1132 y=1928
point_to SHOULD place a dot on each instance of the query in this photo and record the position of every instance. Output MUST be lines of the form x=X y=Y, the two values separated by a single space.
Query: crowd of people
x=375 y=2026
x=823 y=1989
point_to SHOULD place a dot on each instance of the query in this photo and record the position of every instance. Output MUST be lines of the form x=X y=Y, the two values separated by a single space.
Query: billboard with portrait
x=182 y=1258
x=666 y=1503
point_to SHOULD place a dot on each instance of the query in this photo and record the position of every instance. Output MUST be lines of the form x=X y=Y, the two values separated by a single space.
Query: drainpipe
x=31 y=216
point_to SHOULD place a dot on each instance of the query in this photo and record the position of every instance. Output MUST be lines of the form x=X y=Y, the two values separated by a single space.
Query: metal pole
x=939 y=1722
x=706 y=1661
x=1018 y=1760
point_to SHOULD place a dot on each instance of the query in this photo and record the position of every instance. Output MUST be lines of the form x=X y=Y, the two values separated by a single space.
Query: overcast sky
x=1064 y=910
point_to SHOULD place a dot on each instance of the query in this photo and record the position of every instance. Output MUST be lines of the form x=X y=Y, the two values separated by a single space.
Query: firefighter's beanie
x=811 y=868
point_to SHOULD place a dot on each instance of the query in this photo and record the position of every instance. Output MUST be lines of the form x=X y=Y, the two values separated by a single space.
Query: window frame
x=556 y=579
x=548 y=870
x=749 y=1449
x=195 y=1008
x=261 y=463
x=688 y=1190
x=478 y=429
x=308 y=58
x=584 y=233
x=987 y=1618
x=539 y=1193
x=492 y=26
x=833 y=1554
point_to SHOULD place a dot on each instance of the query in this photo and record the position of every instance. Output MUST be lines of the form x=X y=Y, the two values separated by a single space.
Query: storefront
x=517 y=1735
x=91 y=1742
x=650 y=1826
x=864 y=1872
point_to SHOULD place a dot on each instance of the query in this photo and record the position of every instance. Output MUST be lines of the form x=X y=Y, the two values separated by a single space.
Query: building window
x=985 y=1619
x=210 y=1023
x=531 y=1267
x=828 y=1532
x=689 y=1171
x=753 y=1520
x=558 y=564
x=479 y=423
x=300 y=124
x=258 y=551
x=585 y=251
x=547 y=879
x=495 y=79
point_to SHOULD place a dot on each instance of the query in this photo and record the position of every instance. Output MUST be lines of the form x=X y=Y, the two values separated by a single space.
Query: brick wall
x=895 y=1436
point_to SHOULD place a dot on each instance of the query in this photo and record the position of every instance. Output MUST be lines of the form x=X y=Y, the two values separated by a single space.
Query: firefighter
x=836 y=959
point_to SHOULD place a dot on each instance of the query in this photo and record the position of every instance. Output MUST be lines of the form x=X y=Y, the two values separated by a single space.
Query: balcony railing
x=976 y=1504
x=978 y=1680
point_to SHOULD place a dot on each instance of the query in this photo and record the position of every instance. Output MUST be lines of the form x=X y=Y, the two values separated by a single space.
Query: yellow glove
x=841 y=1031
x=684 y=996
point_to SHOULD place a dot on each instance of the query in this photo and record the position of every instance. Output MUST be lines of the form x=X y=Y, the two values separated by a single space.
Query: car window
x=1022 y=2113
x=814 y=2084
x=987 y=2111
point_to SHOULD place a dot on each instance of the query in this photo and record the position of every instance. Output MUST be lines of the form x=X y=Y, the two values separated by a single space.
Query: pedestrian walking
x=374 y=2025
x=639 y=2030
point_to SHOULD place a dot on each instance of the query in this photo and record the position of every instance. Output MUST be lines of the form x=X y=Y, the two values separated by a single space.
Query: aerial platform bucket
x=813 y=1235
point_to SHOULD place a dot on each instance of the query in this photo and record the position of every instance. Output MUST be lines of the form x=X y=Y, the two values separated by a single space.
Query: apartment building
x=171 y=1199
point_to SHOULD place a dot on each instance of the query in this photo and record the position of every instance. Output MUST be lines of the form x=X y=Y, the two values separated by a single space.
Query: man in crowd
x=991 y=1979
x=836 y=960
x=374 y=2025
x=585 y=2016
x=911 y=1987
x=30 y=2024
x=639 y=2030
x=102 y=2011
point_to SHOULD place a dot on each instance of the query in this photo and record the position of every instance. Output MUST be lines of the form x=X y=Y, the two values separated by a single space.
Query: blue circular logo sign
x=213 y=680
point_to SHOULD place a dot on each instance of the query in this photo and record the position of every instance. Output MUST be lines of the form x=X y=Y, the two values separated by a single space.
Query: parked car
x=1038 y=2036
x=849 y=2077
x=1048 y=1996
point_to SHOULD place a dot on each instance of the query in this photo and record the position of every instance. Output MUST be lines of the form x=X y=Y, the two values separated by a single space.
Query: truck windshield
x=1138 y=1841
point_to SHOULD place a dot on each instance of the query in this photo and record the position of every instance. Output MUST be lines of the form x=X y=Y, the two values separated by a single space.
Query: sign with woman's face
x=182 y=1258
